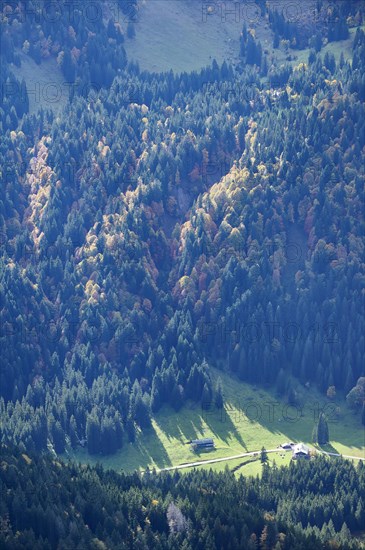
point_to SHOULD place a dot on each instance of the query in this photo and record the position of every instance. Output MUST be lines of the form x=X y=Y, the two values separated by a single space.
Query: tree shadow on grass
x=221 y=425
x=184 y=425
x=296 y=423
x=328 y=448
x=198 y=421
x=145 y=449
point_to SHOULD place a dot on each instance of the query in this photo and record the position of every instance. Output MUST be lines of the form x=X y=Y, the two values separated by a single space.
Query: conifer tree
x=320 y=431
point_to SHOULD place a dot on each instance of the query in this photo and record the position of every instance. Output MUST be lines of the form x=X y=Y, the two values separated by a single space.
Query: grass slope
x=181 y=35
x=174 y=34
x=252 y=418
x=47 y=88
x=248 y=466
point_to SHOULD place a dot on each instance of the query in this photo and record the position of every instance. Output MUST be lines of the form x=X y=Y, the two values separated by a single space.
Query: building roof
x=300 y=448
x=206 y=441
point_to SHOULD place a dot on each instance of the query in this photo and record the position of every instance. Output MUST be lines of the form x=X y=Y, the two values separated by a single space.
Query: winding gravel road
x=243 y=455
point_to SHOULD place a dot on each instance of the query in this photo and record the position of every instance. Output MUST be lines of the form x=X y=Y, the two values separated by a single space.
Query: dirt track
x=242 y=455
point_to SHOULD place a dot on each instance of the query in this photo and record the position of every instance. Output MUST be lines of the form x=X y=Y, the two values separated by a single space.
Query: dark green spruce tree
x=320 y=431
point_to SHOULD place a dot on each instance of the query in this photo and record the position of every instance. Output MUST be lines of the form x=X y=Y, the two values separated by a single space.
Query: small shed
x=300 y=451
x=198 y=444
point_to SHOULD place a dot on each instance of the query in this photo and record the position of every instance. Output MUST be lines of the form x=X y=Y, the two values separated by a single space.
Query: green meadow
x=248 y=466
x=252 y=418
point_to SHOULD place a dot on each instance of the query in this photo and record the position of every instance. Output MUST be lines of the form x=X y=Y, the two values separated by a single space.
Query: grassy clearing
x=46 y=85
x=249 y=466
x=252 y=418
x=255 y=468
x=181 y=35
x=172 y=34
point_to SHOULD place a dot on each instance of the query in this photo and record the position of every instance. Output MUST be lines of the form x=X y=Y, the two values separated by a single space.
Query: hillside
x=181 y=256
x=151 y=234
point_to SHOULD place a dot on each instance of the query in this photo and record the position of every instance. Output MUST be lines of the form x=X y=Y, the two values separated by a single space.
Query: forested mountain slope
x=164 y=222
